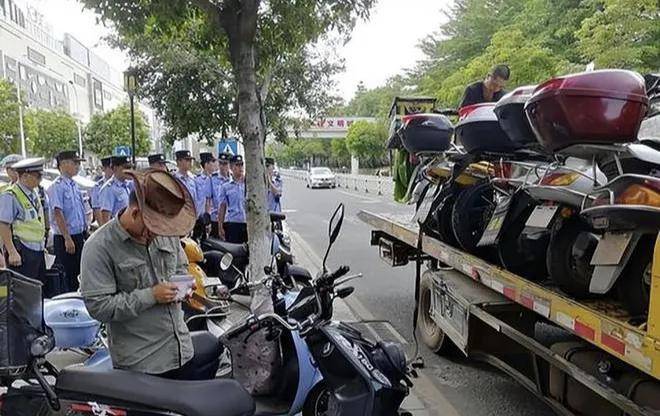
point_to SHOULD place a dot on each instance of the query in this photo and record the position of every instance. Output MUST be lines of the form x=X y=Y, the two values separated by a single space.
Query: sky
x=378 y=49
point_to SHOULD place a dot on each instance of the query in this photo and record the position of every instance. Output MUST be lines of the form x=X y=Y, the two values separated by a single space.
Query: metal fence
x=368 y=184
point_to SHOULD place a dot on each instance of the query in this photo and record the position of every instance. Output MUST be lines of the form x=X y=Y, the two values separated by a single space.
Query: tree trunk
x=241 y=33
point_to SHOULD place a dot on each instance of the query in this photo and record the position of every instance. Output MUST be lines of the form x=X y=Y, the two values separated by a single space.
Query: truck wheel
x=429 y=332
x=571 y=248
x=634 y=285
x=470 y=215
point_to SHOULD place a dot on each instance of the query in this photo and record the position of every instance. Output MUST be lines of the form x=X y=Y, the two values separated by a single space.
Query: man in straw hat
x=128 y=271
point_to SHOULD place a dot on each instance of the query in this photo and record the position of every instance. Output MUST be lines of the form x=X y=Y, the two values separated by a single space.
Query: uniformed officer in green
x=22 y=222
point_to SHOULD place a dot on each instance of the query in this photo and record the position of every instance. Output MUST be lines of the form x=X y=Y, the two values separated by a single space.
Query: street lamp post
x=130 y=85
x=77 y=116
x=20 y=111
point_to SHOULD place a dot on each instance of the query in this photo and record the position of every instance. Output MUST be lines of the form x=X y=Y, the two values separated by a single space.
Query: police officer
x=157 y=161
x=204 y=185
x=95 y=200
x=7 y=163
x=274 y=186
x=218 y=178
x=184 y=162
x=68 y=215
x=114 y=193
x=231 y=212
x=23 y=223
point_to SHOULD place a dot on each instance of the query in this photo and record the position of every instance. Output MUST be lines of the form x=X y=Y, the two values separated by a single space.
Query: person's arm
x=99 y=289
x=106 y=202
x=275 y=189
x=7 y=215
x=58 y=215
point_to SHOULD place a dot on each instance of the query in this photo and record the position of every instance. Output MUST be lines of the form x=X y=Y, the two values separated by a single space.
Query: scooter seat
x=236 y=250
x=191 y=398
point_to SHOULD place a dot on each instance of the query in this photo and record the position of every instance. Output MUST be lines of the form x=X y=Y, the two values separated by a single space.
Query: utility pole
x=20 y=111
x=130 y=86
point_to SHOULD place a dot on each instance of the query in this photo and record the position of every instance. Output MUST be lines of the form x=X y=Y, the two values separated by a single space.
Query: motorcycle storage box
x=510 y=112
x=426 y=133
x=478 y=130
x=71 y=323
x=21 y=321
x=599 y=107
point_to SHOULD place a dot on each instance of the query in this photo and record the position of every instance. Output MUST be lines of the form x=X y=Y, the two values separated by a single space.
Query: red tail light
x=560 y=178
x=410 y=117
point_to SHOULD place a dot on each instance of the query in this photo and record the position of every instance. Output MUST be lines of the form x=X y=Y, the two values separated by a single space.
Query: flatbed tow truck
x=610 y=366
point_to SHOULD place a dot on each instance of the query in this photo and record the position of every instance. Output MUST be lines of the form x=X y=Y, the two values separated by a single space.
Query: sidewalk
x=305 y=257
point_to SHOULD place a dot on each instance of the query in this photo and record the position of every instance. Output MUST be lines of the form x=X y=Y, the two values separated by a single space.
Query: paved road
x=387 y=293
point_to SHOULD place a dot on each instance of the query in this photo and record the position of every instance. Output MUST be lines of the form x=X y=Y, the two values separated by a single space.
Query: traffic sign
x=229 y=145
x=122 y=151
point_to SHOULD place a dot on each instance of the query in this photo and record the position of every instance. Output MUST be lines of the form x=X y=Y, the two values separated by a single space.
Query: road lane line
x=361 y=198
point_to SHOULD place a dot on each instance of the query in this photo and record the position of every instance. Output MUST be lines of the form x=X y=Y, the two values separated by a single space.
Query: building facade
x=57 y=73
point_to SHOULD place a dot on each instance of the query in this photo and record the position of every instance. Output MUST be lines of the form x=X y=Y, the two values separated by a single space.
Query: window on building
x=97 y=87
x=3 y=8
x=106 y=95
x=35 y=56
x=80 y=80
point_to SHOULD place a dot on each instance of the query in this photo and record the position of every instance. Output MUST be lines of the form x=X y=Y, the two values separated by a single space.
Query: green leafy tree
x=9 y=130
x=257 y=38
x=339 y=154
x=113 y=128
x=622 y=34
x=366 y=141
x=54 y=131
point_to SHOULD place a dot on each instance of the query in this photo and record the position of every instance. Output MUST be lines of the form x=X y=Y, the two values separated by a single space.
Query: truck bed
x=602 y=322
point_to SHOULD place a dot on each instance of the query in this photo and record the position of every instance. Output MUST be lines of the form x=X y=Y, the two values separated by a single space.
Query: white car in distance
x=321 y=178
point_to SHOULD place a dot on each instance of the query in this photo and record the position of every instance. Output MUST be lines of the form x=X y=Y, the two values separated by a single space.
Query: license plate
x=495 y=224
x=542 y=216
x=610 y=249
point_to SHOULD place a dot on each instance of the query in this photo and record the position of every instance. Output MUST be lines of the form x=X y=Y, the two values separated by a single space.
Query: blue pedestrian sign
x=122 y=151
x=228 y=146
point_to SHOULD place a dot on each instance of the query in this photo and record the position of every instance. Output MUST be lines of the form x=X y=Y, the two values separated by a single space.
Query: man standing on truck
x=490 y=89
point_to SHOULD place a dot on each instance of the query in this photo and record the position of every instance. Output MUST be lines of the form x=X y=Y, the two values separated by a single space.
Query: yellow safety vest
x=33 y=228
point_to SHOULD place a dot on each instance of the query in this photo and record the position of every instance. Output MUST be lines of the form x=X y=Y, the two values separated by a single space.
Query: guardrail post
x=380 y=186
x=355 y=187
x=366 y=186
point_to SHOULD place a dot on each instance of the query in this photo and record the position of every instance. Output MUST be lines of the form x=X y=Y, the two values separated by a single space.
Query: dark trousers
x=69 y=262
x=199 y=232
x=33 y=265
x=235 y=232
x=204 y=363
x=215 y=233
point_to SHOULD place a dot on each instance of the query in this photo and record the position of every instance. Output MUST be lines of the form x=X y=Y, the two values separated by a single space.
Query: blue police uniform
x=65 y=195
x=274 y=204
x=11 y=211
x=232 y=194
x=217 y=181
x=191 y=185
x=203 y=190
x=94 y=196
x=113 y=195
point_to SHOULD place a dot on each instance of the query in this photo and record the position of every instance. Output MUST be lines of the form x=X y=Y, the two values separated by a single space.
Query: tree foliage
x=113 y=128
x=53 y=131
x=10 y=138
x=366 y=141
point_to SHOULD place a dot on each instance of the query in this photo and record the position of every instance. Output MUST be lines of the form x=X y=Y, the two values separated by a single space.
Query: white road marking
x=361 y=198
x=289 y=211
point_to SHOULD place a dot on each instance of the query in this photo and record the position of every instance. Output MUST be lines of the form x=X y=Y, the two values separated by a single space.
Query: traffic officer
x=114 y=193
x=68 y=217
x=205 y=185
x=23 y=223
x=95 y=200
x=218 y=178
x=157 y=161
x=7 y=163
x=274 y=186
x=184 y=162
x=231 y=212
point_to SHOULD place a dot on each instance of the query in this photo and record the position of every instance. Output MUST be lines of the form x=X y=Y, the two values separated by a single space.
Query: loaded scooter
x=359 y=377
x=595 y=116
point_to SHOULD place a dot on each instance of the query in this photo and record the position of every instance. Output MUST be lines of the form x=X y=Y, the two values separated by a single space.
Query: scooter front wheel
x=318 y=402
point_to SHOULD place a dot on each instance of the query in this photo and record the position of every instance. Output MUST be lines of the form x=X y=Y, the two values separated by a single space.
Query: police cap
x=120 y=161
x=183 y=154
x=156 y=158
x=68 y=155
x=33 y=164
x=236 y=159
x=106 y=162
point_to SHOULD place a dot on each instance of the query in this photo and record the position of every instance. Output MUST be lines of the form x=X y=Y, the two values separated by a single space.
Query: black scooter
x=362 y=378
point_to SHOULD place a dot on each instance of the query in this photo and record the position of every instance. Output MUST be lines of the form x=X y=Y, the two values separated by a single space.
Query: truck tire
x=470 y=215
x=634 y=284
x=429 y=332
x=569 y=256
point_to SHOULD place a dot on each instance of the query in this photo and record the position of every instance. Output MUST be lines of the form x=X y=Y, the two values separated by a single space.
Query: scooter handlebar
x=329 y=279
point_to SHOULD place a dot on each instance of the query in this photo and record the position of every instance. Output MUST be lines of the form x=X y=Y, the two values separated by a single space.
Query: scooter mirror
x=226 y=261
x=345 y=292
x=334 y=226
